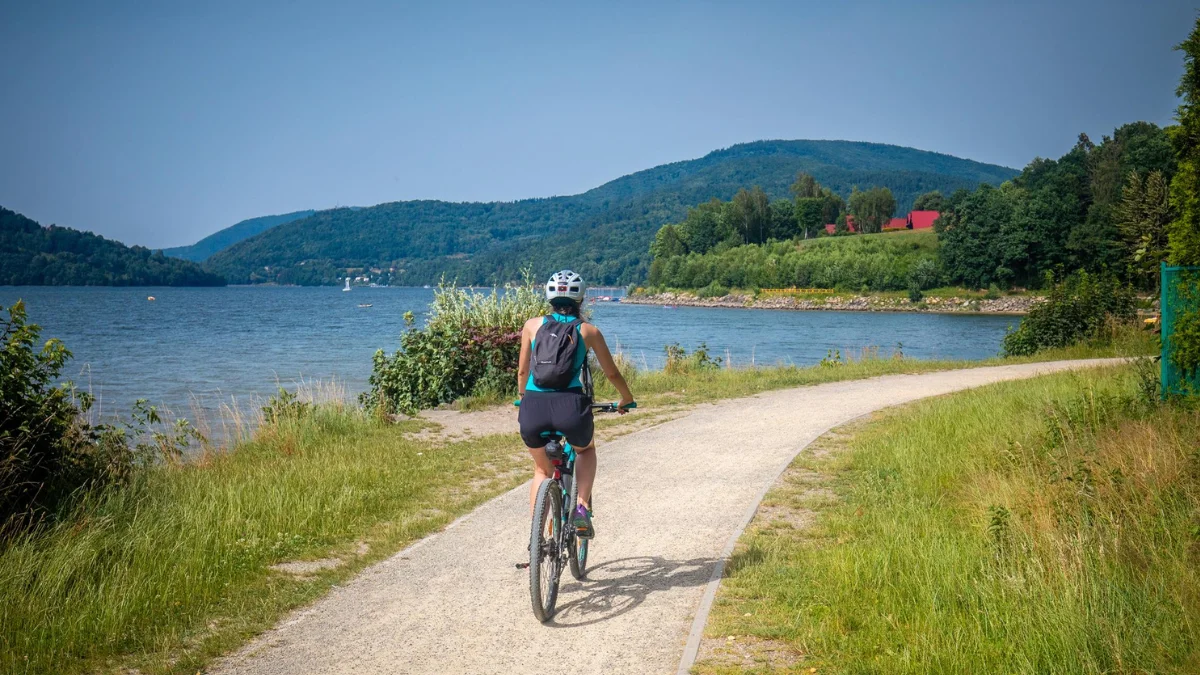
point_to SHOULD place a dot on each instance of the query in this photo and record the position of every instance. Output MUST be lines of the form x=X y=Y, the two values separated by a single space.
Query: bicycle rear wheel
x=579 y=547
x=545 y=563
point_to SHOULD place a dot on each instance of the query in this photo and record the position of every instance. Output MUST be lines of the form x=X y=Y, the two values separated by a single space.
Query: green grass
x=1047 y=525
x=174 y=570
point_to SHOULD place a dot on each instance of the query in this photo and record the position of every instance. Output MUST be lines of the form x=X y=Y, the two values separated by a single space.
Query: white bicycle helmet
x=566 y=284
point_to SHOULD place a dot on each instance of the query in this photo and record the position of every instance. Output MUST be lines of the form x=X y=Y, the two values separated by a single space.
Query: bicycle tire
x=544 y=561
x=579 y=547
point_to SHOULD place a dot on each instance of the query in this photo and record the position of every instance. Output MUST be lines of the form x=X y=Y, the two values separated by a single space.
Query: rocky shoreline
x=1015 y=305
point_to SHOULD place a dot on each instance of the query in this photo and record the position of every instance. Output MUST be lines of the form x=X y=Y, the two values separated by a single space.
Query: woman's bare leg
x=542 y=469
x=585 y=472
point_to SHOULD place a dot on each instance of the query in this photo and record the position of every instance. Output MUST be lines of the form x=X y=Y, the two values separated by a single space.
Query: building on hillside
x=831 y=228
x=916 y=220
x=922 y=220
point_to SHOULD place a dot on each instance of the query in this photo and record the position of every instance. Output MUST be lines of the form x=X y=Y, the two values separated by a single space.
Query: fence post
x=1164 y=382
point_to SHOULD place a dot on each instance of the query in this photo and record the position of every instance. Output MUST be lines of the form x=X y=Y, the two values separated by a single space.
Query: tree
x=751 y=215
x=872 y=208
x=783 y=219
x=810 y=215
x=705 y=226
x=667 y=243
x=1184 y=231
x=805 y=187
x=930 y=201
x=972 y=247
x=835 y=206
x=1142 y=218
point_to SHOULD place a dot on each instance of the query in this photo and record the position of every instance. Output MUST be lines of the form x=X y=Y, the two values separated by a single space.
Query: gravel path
x=456 y=603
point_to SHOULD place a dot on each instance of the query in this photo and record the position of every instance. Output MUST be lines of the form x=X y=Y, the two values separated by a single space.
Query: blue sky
x=157 y=123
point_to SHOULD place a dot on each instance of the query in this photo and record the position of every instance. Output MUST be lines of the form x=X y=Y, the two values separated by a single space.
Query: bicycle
x=553 y=540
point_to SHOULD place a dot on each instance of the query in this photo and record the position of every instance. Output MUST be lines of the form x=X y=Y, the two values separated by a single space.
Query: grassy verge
x=1046 y=525
x=176 y=569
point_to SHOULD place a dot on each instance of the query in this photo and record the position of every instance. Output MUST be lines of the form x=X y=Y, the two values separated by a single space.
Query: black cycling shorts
x=568 y=412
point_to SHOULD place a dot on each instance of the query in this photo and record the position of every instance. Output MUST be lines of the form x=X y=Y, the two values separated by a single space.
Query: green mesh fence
x=1180 y=297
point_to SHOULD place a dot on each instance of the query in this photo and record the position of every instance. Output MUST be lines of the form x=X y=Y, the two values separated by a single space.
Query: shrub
x=880 y=263
x=914 y=294
x=1076 y=310
x=49 y=453
x=924 y=274
x=993 y=292
x=713 y=290
x=679 y=362
x=285 y=406
x=469 y=346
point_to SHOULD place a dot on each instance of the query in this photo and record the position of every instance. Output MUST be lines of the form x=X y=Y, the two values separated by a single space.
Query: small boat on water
x=347 y=288
x=364 y=304
x=668 y=306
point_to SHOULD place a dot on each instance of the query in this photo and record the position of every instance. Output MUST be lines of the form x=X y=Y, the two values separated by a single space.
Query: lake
x=207 y=346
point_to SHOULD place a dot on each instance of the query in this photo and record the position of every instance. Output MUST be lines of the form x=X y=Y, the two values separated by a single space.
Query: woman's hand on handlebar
x=624 y=406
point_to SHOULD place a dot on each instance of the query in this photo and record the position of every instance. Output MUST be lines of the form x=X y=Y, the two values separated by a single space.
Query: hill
x=32 y=255
x=201 y=250
x=603 y=233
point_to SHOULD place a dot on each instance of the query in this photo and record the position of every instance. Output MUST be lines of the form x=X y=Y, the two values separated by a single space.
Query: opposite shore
x=1014 y=305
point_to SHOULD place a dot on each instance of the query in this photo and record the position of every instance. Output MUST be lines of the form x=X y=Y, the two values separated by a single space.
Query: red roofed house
x=896 y=224
x=830 y=228
x=922 y=220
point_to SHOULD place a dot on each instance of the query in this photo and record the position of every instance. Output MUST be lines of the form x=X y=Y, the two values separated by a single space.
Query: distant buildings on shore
x=916 y=220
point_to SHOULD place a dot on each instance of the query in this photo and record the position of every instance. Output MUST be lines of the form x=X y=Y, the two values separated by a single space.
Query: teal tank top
x=580 y=357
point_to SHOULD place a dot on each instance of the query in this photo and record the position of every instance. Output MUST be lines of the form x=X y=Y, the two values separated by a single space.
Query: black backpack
x=554 y=350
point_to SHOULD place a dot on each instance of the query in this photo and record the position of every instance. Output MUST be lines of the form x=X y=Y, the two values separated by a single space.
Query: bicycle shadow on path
x=617 y=586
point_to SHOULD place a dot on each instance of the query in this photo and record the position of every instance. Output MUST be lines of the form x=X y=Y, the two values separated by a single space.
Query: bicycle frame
x=562 y=457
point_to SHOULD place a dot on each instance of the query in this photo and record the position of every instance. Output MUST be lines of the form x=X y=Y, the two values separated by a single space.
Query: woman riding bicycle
x=564 y=408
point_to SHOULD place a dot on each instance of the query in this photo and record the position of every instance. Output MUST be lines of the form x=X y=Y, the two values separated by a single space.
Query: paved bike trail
x=669 y=499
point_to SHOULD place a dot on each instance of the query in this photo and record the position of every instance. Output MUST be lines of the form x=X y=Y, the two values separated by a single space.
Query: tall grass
x=1037 y=526
x=175 y=568
x=508 y=308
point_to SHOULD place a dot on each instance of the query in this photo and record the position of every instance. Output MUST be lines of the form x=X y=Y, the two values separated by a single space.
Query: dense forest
x=1101 y=208
x=33 y=255
x=201 y=250
x=604 y=233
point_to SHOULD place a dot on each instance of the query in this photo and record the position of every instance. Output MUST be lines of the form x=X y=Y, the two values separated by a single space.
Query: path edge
x=692 y=648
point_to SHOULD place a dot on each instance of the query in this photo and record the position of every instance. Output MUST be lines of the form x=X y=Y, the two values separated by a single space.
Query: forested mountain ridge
x=32 y=255
x=603 y=233
x=201 y=250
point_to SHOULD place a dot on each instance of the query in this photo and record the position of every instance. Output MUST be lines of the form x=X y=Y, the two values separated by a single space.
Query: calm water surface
x=207 y=346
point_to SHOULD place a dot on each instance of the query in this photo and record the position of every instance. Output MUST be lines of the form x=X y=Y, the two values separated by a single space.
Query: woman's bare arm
x=526 y=355
x=594 y=339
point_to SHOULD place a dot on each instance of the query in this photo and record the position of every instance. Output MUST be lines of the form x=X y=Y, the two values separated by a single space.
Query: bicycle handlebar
x=598 y=407
x=612 y=407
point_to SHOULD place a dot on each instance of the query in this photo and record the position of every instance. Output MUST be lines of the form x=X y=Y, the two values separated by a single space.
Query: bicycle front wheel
x=544 y=559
